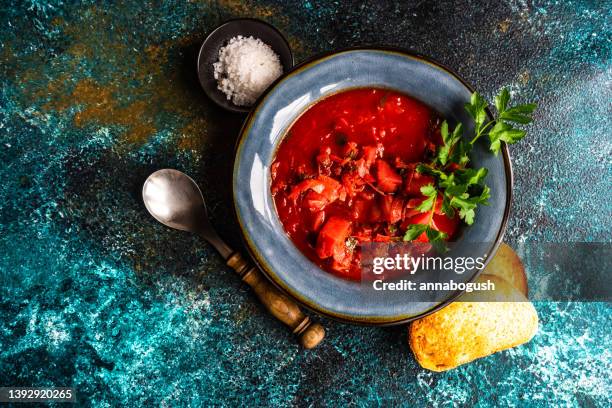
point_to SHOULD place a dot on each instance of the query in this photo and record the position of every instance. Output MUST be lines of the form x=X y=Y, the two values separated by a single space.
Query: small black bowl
x=246 y=27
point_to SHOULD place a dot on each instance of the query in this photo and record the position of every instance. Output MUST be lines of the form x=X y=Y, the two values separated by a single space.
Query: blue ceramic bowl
x=264 y=129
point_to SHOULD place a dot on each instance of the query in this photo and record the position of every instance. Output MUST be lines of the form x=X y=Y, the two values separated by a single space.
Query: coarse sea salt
x=246 y=67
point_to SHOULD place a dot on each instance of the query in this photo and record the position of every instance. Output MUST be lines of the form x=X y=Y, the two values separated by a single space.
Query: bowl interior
x=284 y=264
x=209 y=54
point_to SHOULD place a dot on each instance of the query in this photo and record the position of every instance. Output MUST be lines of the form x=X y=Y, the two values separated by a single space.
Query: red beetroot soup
x=345 y=174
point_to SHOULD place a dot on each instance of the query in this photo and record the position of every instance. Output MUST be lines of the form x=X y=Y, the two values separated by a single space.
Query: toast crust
x=467 y=330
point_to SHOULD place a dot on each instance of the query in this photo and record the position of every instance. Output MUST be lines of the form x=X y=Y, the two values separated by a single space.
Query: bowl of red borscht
x=326 y=163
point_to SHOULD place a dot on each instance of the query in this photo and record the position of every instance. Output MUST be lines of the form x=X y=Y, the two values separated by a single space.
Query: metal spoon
x=175 y=200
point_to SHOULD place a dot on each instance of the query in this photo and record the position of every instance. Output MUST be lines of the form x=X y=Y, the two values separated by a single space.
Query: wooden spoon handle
x=281 y=307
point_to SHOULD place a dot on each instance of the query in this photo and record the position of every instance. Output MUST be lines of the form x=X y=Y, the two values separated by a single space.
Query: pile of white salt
x=246 y=67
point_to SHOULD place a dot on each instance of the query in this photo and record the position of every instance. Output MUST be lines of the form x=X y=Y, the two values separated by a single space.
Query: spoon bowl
x=174 y=199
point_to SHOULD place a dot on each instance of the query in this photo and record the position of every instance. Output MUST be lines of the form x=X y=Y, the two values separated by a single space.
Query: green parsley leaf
x=447 y=181
x=414 y=231
x=503 y=131
x=466 y=207
x=443 y=153
x=427 y=169
x=447 y=208
x=467 y=204
x=431 y=193
x=449 y=142
x=501 y=100
x=457 y=133
x=495 y=136
x=523 y=109
x=436 y=239
x=476 y=109
x=484 y=196
x=467 y=215
x=519 y=113
x=456 y=190
x=472 y=176
x=444 y=132
x=460 y=154
x=463 y=202
x=515 y=117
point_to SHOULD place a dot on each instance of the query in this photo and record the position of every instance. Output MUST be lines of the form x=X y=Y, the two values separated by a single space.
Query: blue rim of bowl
x=232 y=107
x=271 y=275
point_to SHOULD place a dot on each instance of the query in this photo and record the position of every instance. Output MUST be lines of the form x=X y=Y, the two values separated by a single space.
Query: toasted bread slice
x=507 y=265
x=466 y=330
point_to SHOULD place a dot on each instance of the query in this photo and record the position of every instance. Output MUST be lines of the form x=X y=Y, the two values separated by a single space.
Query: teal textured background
x=96 y=295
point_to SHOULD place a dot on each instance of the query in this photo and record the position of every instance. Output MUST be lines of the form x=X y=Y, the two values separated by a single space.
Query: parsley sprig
x=462 y=188
x=503 y=129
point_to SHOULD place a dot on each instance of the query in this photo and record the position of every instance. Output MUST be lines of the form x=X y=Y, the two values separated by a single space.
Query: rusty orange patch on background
x=105 y=77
